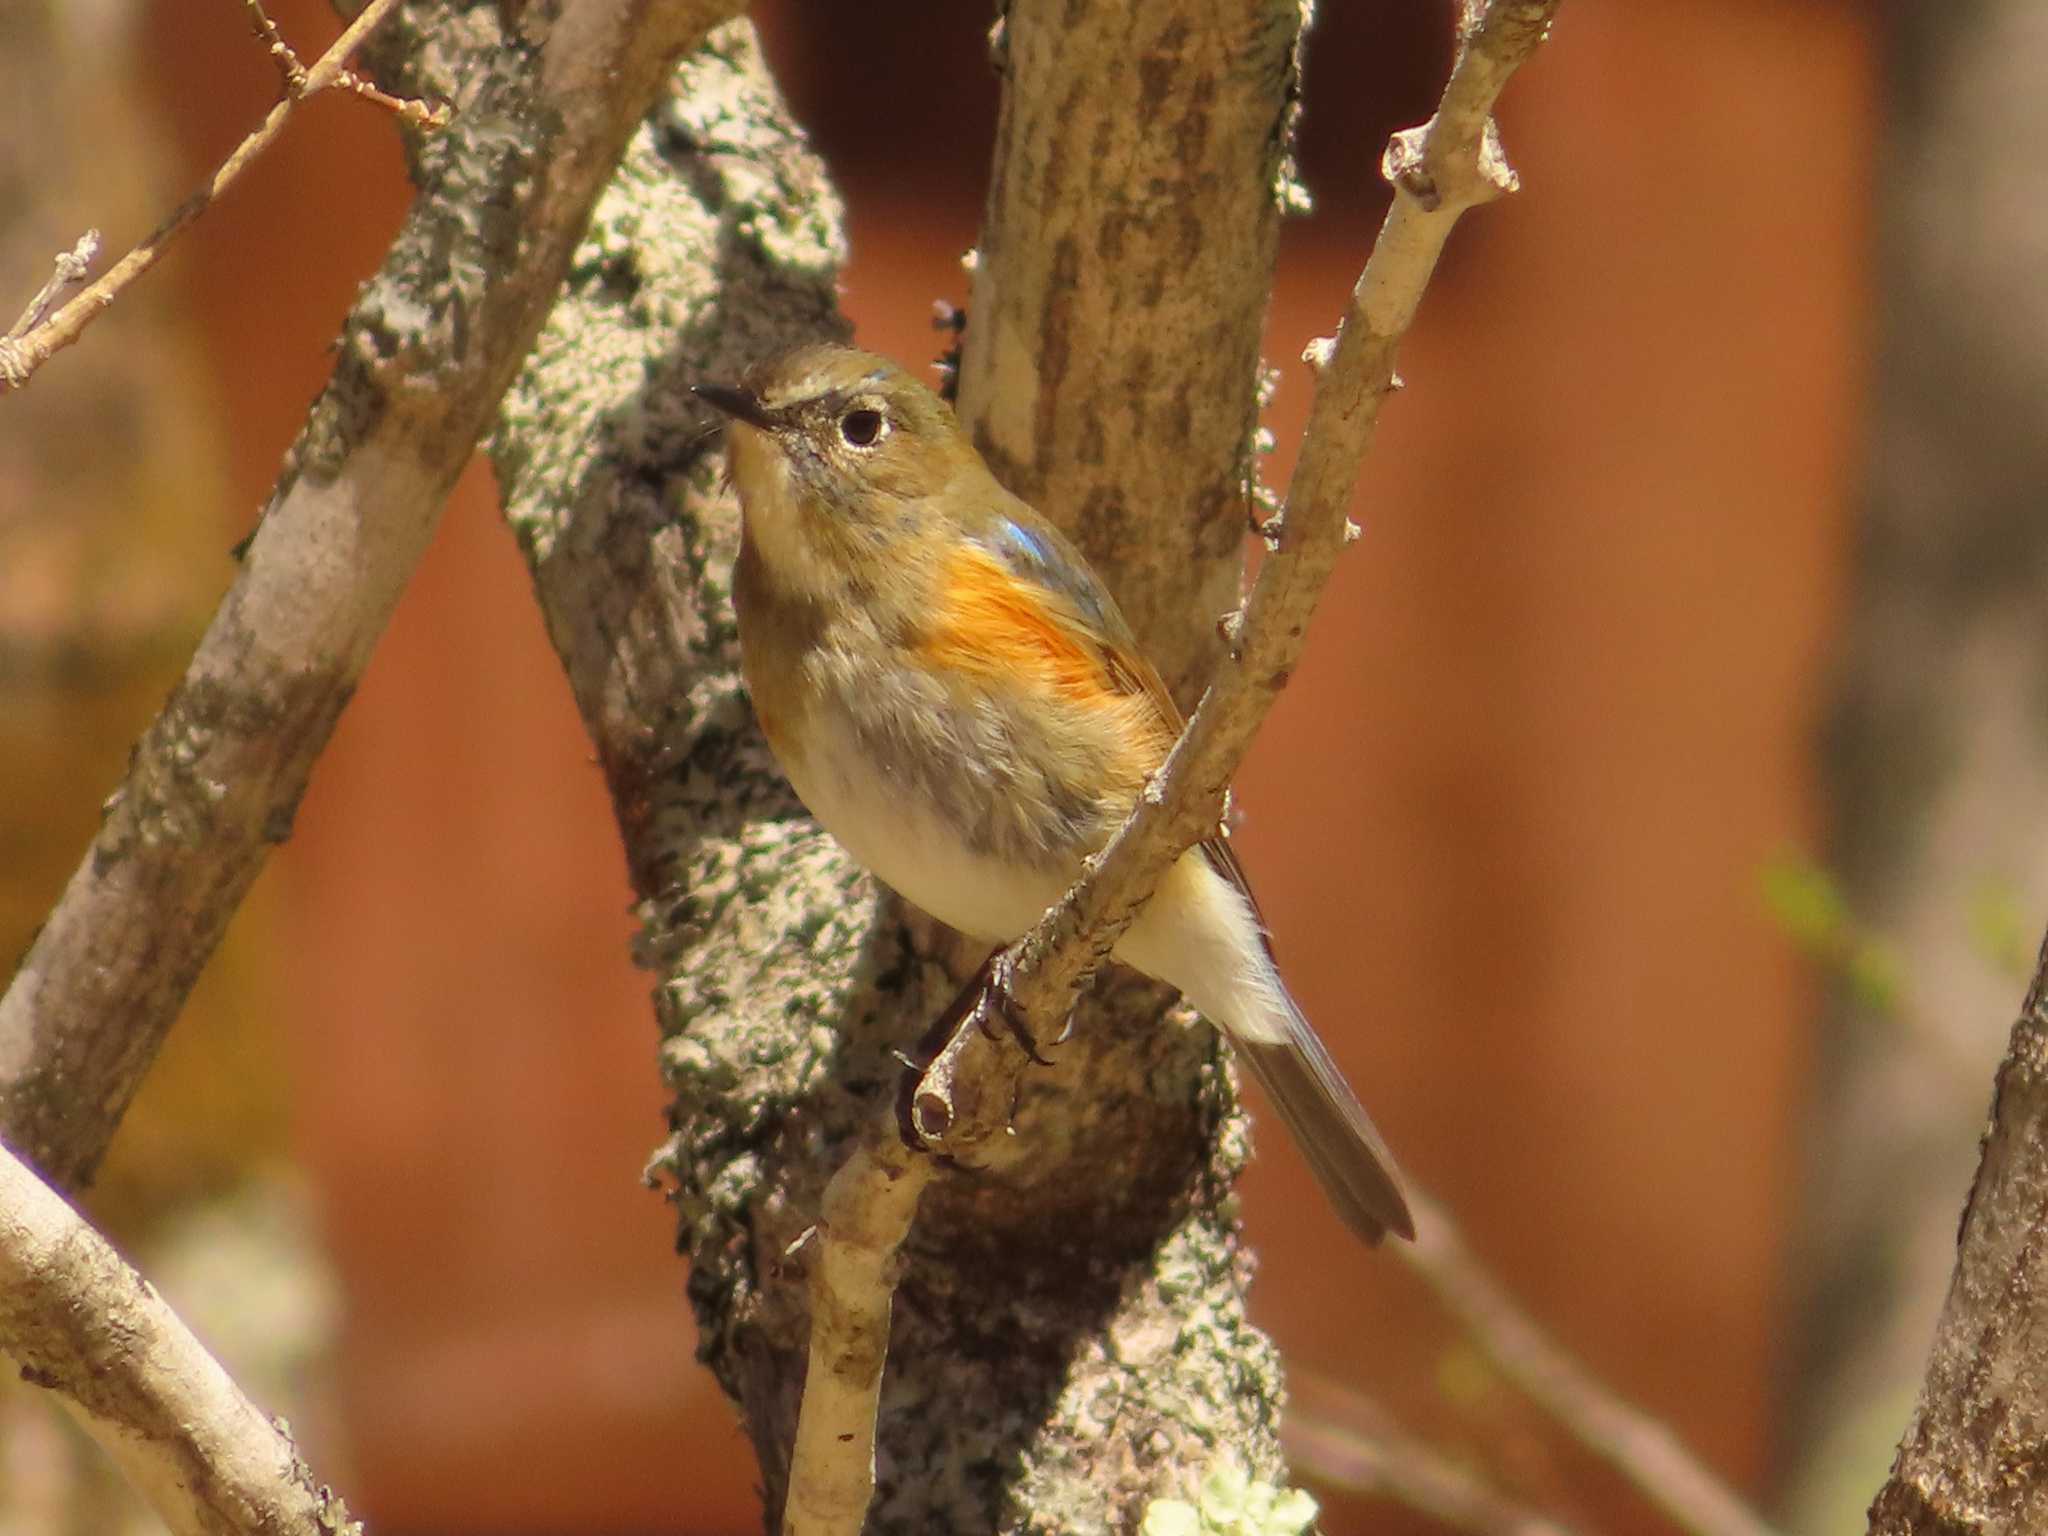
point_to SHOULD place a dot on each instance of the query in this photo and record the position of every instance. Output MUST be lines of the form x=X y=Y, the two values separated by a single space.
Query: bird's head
x=843 y=463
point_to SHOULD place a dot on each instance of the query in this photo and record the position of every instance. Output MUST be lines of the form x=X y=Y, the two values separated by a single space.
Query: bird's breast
x=911 y=824
x=975 y=791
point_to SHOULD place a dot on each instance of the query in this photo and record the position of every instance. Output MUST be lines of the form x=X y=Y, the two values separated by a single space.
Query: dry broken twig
x=25 y=349
x=69 y=275
x=962 y=1099
x=79 y=1322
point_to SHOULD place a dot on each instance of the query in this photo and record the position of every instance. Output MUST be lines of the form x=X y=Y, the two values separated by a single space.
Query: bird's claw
x=986 y=1004
x=995 y=1012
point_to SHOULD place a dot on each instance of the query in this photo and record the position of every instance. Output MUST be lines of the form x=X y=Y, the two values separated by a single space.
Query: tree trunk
x=1972 y=1459
x=1070 y=1336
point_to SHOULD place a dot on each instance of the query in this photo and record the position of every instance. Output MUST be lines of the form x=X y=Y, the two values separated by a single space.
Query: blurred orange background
x=1507 y=822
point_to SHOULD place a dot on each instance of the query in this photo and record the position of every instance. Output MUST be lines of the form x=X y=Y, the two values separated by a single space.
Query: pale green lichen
x=1231 y=1502
x=717 y=166
x=774 y=188
x=1263 y=500
x=1290 y=193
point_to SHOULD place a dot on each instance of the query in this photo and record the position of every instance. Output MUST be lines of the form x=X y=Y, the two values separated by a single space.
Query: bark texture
x=1937 y=754
x=1069 y=1336
x=1973 y=1459
x=79 y=1322
x=1109 y=371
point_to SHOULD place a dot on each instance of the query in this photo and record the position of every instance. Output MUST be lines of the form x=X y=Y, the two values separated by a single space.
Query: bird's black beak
x=739 y=404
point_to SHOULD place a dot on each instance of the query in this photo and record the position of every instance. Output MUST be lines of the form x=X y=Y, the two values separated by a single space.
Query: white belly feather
x=1197 y=933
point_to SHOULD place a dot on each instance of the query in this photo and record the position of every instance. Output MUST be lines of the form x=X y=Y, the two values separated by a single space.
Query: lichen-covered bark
x=1070 y=1336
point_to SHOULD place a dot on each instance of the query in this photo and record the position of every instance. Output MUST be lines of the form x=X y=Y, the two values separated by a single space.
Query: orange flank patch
x=990 y=624
x=992 y=627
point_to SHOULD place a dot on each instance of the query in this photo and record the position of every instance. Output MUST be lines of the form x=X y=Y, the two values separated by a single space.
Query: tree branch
x=425 y=356
x=79 y=1322
x=1080 y=1313
x=1971 y=1460
x=865 y=1218
x=1111 y=360
x=26 y=348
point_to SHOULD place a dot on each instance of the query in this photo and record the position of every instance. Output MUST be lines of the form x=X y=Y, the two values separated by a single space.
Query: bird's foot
x=994 y=1010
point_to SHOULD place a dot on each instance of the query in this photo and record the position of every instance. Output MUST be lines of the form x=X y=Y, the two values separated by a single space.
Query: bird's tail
x=1348 y=1155
x=1201 y=932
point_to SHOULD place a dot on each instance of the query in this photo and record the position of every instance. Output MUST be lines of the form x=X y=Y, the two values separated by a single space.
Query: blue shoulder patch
x=1033 y=549
x=1032 y=555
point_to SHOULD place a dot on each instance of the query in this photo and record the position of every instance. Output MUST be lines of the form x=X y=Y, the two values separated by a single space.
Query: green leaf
x=1805 y=901
x=1875 y=976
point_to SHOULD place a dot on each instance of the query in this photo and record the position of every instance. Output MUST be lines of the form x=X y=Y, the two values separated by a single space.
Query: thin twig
x=281 y=52
x=1640 y=1447
x=1341 y=1439
x=70 y=269
x=867 y=1213
x=407 y=109
x=78 y=1321
x=21 y=355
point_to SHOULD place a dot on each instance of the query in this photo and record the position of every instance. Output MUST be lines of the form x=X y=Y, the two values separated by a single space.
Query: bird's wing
x=1058 y=594
x=1037 y=553
x=1041 y=557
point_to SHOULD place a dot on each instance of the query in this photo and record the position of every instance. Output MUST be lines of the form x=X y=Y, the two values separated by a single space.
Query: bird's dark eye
x=861 y=428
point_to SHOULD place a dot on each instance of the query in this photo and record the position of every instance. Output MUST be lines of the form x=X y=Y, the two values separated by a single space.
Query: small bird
x=954 y=695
